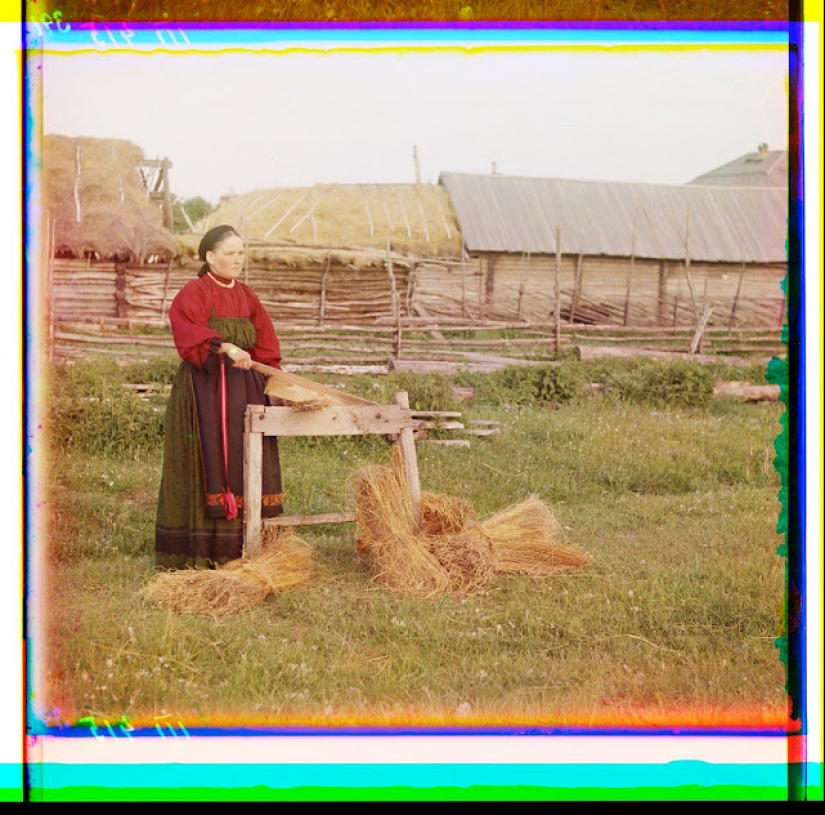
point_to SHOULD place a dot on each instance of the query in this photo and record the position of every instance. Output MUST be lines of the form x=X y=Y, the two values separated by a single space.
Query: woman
x=219 y=327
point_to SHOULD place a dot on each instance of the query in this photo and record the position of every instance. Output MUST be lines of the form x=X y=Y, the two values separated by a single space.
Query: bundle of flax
x=450 y=549
x=526 y=539
x=283 y=561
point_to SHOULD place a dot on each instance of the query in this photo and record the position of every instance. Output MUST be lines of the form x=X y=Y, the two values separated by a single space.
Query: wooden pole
x=323 y=304
x=166 y=290
x=557 y=338
x=521 y=287
x=736 y=299
x=168 y=218
x=406 y=442
x=577 y=287
x=396 y=311
x=186 y=217
x=697 y=336
x=464 y=309
x=687 y=266
x=630 y=273
x=252 y=481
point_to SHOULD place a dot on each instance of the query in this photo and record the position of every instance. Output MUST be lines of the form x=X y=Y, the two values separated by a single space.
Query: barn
x=624 y=254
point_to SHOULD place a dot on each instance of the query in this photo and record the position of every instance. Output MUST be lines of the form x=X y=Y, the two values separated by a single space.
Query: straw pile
x=285 y=560
x=97 y=200
x=451 y=550
x=526 y=538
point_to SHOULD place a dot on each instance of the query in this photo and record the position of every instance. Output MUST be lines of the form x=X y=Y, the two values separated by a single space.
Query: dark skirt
x=192 y=530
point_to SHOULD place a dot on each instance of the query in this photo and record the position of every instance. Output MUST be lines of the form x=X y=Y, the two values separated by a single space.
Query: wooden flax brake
x=316 y=410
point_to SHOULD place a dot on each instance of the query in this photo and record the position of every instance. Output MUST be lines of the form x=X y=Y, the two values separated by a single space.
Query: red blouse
x=191 y=311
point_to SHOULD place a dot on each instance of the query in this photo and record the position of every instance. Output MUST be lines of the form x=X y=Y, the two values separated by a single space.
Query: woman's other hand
x=240 y=358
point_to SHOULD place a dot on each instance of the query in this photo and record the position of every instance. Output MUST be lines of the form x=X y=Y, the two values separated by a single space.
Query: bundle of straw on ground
x=451 y=550
x=284 y=561
x=453 y=534
x=388 y=541
x=528 y=539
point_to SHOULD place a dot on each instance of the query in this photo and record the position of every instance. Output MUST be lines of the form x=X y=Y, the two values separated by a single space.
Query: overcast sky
x=235 y=122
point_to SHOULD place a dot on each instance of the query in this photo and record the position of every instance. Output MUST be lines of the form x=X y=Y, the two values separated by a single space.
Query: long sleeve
x=267 y=348
x=189 y=315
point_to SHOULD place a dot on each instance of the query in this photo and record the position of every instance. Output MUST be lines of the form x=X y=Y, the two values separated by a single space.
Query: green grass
x=675 y=618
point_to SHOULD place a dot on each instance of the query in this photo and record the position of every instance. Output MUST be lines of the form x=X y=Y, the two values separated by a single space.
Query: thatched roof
x=97 y=202
x=417 y=218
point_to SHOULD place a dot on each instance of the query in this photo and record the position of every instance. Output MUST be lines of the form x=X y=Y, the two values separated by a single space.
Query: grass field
x=674 y=621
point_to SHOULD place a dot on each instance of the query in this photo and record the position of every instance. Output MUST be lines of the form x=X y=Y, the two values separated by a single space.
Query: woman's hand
x=240 y=358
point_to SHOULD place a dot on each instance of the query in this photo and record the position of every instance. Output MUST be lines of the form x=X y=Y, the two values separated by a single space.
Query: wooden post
x=557 y=337
x=521 y=286
x=396 y=311
x=409 y=461
x=577 y=287
x=165 y=290
x=323 y=303
x=736 y=299
x=630 y=273
x=186 y=216
x=408 y=299
x=696 y=343
x=252 y=480
x=168 y=218
x=464 y=309
x=489 y=284
x=687 y=266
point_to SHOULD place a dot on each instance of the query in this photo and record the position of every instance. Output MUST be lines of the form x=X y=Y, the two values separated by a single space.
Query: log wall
x=511 y=288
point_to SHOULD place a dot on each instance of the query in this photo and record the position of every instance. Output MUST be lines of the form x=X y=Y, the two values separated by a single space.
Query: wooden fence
x=511 y=289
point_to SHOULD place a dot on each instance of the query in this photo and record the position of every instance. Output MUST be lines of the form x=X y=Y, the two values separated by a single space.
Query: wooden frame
x=340 y=420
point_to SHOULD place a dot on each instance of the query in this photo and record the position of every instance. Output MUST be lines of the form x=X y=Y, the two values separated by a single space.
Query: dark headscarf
x=210 y=240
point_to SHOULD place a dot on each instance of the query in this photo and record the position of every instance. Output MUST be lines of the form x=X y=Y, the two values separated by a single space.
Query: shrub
x=671 y=384
x=527 y=384
x=90 y=410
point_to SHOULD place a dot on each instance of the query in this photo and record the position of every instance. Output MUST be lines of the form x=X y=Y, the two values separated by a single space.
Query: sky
x=233 y=122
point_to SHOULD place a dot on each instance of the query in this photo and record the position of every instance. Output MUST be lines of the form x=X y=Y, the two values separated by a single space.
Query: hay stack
x=451 y=550
x=97 y=200
x=285 y=560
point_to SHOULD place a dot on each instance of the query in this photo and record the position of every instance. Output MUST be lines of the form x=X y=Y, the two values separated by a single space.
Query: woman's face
x=227 y=257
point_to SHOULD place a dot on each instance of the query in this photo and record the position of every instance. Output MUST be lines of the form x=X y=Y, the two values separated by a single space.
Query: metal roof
x=765 y=168
x=498 y=213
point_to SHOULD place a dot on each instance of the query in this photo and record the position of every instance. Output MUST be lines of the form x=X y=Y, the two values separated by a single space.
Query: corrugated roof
x=499 y=213
x=765 y=168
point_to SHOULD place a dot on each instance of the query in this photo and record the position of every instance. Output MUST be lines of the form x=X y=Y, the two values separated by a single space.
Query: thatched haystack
x=417 y=218
x=97 y=202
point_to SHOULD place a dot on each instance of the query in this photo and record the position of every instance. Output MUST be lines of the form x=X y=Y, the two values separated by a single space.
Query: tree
x=195 y=208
